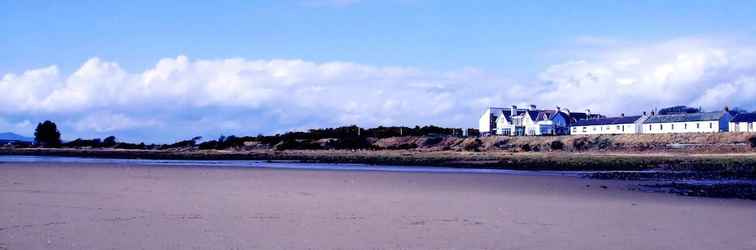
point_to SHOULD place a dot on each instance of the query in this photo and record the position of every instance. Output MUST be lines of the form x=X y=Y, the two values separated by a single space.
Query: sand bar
x=108 y=206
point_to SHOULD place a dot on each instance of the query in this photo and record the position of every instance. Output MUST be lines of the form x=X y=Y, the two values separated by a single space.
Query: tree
x=109 y=142
x=47 y=135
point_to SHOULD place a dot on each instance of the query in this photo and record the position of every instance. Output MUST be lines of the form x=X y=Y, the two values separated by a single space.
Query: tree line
x=348 y=137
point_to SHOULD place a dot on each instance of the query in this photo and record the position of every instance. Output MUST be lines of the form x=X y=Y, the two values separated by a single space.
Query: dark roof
x=608 y=121
x=533 y=114
x=578 y=115
x=691 y=117
x=745 y=117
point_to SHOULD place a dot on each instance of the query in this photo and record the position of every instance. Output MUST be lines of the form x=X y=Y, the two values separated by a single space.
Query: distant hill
x=8 y=136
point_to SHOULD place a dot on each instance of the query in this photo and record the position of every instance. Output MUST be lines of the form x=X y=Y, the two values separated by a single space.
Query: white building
x=528 y=121
x=487 y=122
x=703 y=122
x=532 y=122
x=610 y=125
x=743 y=123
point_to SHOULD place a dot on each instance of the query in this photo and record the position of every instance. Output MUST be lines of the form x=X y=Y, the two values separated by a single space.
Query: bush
x=404 y=146
x=525 y=147
x=349 y=143
x=433 y=141
x=108 y=142
x=580 y=144
x=753 y=141
x=81 y=143
x=502 y=144
x=557 y=145
x=474 y=146
x=292 y=144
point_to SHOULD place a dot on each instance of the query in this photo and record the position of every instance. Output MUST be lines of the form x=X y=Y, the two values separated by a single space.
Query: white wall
x=629 y=128
x=742 y=127
x=682 y=127
x=484 y=124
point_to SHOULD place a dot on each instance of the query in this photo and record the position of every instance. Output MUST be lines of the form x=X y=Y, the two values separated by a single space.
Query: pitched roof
x=533 y=114
x=608 y=121
x=745 y=117
x=689 y=117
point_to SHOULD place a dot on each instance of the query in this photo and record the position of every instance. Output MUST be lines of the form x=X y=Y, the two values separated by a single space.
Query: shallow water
x=256 y=164
x=280 y=165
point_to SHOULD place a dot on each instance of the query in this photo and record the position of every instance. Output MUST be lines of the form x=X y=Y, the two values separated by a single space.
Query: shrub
x=525 y=147
x=580 y=144
x=501 y=144
x=474 y=146
x=753 y=141
x=403 y=146
x=296 y=144
x=108 y=142
x=433 y=141
x=557 y=145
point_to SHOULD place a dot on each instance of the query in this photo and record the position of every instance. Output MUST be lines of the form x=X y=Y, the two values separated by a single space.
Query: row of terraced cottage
x=531 y=121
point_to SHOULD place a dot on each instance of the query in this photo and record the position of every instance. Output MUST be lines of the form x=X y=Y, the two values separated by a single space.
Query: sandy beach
x=111 y=206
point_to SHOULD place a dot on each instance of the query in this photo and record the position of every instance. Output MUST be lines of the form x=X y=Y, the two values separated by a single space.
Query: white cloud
x=244 y=96
x=106 y=122
x=695 y=72
x=183 y=97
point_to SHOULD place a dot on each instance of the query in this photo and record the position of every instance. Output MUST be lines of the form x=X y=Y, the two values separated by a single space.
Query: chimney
x=652 y=112
x=622 y=115
x=727 y=109
x=558 y=109
x=567 y=110
x=532 y=107
x=514 y=109
x=644 y=113
x=588 y=113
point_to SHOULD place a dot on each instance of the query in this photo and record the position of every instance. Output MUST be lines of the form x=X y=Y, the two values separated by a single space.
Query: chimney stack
x=558 y=109
x=644 y=113
x=622 y=115
x=727 y=109
x=532 y=107
x=588 y=113
x=514 y=109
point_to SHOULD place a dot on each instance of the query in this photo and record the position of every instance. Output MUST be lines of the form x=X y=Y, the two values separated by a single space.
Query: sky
x=163 y=71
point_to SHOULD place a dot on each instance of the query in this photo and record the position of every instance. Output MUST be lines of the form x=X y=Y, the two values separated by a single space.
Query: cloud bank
x=182 y=97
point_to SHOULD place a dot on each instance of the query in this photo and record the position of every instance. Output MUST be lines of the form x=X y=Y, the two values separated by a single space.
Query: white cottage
x=743 y=123
x=702 y=122
x=487 y=123
x=610 y=125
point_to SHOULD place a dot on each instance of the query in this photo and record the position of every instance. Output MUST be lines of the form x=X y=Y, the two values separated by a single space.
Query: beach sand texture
x=99 y=206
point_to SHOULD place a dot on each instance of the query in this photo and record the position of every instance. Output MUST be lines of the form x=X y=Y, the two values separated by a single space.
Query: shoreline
x=561 y=161
x=720 y=176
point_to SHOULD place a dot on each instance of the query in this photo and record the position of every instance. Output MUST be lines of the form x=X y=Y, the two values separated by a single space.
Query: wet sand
x=100 y=206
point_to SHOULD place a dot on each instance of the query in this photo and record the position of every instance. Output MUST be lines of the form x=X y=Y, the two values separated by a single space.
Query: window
x=673 y=126
x=685 y=126
x=618 y=127
x=711 y=125
x=649 y=127
x=698 y=125
x=661 y=126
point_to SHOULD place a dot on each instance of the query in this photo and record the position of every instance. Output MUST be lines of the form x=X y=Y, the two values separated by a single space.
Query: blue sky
x=437 y=48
